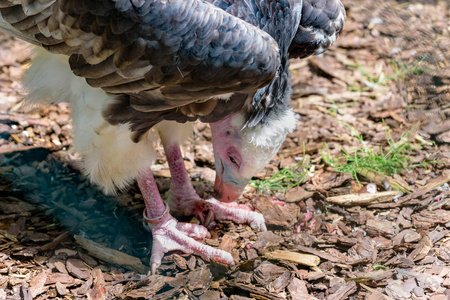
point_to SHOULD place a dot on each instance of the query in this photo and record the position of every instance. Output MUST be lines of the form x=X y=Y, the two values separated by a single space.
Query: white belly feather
x=111 y=159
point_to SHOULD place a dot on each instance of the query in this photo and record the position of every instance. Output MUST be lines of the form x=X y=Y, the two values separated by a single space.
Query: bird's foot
x=235 y=212
x=208 y=210
x=169 y=235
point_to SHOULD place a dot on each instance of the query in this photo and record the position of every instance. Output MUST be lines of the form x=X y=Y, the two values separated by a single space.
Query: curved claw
x=258 y=222
x=154 y=266
x=209 y=218
x=169 y=235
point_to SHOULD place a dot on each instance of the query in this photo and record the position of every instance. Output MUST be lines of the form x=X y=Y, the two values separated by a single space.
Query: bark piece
x=82 y=290
x=111 y=255
x=397 y=290
x=63 y=278
x=344 y=291
x=37 y=284
x=54 y=242
x=297 y=194
x=294 y=257
x=374 y=294
x=422 y=249
x=364 y=199
x=77 y=268
x=180 y=261
x=435 y=183
x=297 y=289
x=277 y=215
x=199 y=279
x=210 y=294
x=281 y=282
x=149 y=285
x=259 y=293
x=380 y=227
x=341 y=258
x=61 y=289
x=379 y=179
x=227 y=243
x=60 y=266
x=267 y=272
x=98 y=291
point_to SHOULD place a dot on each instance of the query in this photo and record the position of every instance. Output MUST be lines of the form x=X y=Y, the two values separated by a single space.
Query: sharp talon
x=263 y=227
x=224 y=261
x=209 y=218
x=154 y=266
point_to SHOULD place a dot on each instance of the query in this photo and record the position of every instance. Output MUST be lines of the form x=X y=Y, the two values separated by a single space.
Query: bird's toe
x=241 y=214
x=258 y=222
x=170 y=235
x=197 y=232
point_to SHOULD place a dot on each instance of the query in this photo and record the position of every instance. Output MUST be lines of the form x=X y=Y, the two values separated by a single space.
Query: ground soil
x=56 y=229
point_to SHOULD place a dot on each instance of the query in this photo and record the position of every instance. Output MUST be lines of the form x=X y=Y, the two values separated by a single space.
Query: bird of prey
x=136 y=70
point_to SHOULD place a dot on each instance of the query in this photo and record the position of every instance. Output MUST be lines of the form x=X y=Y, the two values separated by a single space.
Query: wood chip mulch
x=329 y=238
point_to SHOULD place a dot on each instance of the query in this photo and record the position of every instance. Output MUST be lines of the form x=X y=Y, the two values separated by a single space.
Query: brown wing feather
x=186 y=50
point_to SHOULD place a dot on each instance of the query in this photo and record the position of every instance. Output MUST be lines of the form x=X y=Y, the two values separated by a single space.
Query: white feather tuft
x=266 y=135
x=225 y=96
x=274 y=132
x=261 y=143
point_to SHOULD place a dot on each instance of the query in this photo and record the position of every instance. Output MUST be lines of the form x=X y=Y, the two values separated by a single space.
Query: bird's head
x=241 y=152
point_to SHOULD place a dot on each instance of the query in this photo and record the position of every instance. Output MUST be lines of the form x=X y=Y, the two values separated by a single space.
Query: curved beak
x=226 y=192
x=227 y=188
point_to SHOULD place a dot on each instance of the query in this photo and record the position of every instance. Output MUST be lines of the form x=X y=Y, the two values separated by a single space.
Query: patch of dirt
x=387 y=75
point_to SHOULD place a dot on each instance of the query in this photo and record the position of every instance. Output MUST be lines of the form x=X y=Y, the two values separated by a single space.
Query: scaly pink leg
x=185 y=200
x=168 y=234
